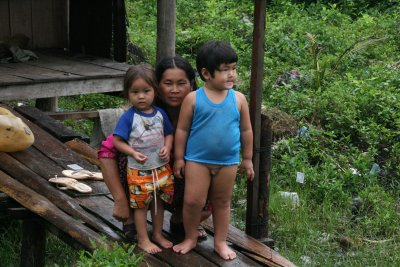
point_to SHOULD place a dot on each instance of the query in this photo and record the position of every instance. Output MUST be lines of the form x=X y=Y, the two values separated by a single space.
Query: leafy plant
x=320 y=66
x=119 y=255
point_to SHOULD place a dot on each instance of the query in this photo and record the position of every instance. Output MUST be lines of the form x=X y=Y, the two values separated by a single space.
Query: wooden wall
x=45 y=22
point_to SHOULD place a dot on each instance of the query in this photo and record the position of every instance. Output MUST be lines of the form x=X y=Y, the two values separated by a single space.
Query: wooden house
x=74 y=40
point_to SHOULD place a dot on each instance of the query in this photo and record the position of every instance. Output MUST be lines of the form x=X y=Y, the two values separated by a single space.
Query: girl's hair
x=212 y=54
x=140 y=71
x=176 y=62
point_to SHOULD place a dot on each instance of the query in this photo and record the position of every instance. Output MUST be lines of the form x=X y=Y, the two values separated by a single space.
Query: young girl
x=214 y=123
x=144 y=134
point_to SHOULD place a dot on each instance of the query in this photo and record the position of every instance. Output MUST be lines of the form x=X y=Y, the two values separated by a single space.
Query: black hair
x=140 y=71
x=176 y=62
x=212 y=54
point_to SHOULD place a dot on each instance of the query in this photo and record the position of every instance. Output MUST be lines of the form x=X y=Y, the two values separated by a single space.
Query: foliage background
x=344 y=101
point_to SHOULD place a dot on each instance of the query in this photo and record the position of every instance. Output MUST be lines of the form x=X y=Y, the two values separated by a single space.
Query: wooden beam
x=166 y=27
x=256 y=86
x=77 y=115
x=47 y=210
x=58 y=199
x=54 y=127
x=22 y=91
x=47 y=104
x=250 y=245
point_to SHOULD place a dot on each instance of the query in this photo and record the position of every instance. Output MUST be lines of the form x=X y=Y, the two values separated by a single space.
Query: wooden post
x=252 y=225
x=47 y=104
x=265 y=170
x=166 y=26
x=33 y=247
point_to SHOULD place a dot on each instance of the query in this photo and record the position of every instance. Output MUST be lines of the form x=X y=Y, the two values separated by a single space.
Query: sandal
x=129 y=231
x=83 y=174
x=69 y=183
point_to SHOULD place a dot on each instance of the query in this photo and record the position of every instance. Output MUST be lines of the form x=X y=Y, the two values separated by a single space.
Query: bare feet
x=186 y=246
x=162 y=241
x=149 y=246
x=121 y=211
x=224 y=251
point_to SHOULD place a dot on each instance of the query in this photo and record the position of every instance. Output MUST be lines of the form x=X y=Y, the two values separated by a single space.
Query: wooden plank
x=36 y=73
x=22 y=90
x=84 y=150
x=50 y=125
x=21 y=18
x=248 y=244
x=47 y=210
x=40 y=185
x=178 y=260
x=102 y=207
x=11 y=78
x=99 y=61
x=69 y=65
x=53 y=148
x=10 y=209
x=206 y=248
x=4 y=21
x=103 y=62
x=32 y=159
x=77 y=115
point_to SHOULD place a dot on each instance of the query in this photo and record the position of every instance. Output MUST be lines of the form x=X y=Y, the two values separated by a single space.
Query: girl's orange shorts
x=141 y=186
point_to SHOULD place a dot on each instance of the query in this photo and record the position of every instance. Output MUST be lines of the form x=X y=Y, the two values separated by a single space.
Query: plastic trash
x=291 y=197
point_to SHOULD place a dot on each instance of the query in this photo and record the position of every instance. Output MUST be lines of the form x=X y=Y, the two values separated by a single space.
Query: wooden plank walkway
x=76 y=217
x=57 y=74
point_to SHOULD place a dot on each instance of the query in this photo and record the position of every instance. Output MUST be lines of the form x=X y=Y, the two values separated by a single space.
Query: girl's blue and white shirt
x=144 y=133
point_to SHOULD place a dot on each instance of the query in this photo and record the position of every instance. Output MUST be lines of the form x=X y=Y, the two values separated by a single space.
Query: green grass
x=57 y=252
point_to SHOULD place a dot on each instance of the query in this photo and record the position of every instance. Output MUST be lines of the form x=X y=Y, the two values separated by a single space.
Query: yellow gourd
x=15 y=135
x=4 y=111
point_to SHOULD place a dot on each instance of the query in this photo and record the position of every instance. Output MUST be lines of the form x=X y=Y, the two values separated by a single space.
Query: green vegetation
x=345 y=101
x=120 y=255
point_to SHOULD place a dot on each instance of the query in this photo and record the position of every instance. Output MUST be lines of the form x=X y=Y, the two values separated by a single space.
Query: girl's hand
x=247 y=167
x=179 y=168
x=164 y=153
x=139 y=157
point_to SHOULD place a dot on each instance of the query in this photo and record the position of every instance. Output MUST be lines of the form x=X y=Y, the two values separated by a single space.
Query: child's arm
x=246 y=136
x=165 y=151
x=182 y=132
x=123 y=147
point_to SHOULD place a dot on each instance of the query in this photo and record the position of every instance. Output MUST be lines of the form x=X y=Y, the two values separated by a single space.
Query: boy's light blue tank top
x=214 y=136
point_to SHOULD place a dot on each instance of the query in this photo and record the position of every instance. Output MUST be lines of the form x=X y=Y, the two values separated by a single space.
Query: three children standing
x=213 y=127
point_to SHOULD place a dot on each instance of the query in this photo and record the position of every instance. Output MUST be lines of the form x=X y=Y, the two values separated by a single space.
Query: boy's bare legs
x=142 y=236
x=197 y=182
x=220 y=195
x=158 y=220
